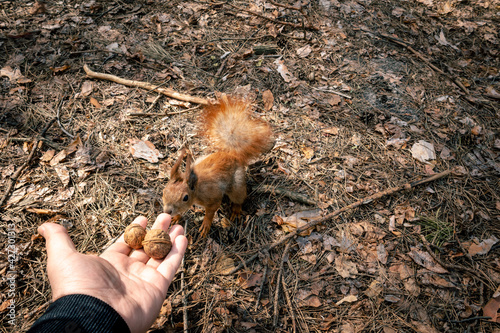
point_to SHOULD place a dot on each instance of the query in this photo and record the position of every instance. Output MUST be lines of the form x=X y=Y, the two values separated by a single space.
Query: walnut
x=157 y=244
x=134 y=235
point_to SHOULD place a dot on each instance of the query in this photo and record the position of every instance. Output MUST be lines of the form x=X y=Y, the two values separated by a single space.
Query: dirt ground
x=363 y=96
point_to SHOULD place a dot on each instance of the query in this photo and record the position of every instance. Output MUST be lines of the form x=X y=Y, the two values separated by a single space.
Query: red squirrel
x=236 y=138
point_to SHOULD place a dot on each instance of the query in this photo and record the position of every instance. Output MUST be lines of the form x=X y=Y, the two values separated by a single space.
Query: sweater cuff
x=80 y=313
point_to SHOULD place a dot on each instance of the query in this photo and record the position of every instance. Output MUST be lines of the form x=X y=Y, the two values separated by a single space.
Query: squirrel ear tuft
x=192 y=180
x=174 y=173
x=189 y=160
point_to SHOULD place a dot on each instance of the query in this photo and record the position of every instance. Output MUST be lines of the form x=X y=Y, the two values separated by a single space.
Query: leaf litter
x=403 y=120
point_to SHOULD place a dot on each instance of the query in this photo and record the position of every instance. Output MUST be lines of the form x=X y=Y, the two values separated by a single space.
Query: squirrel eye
x=185 y=198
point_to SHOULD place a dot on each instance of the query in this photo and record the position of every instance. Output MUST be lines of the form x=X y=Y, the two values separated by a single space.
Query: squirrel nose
x=168 y=211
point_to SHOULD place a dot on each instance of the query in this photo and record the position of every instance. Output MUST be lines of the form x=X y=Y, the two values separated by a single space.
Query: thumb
x=58 y=242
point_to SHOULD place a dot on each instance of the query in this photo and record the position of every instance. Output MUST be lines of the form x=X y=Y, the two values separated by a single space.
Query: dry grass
x=183 y=50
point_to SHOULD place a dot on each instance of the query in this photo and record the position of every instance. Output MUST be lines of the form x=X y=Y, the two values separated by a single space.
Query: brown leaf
x=346 y=268
x=95 y=103
x=63 y=174
x=406 y=274
x=435 y=280
x=87 y=88
x=5 y=305
x=297 y=220
x=144 y=149
x=60 y=69
x=424 y=327
x=424 y=259
x=331 y=130
x=268 y=98
x=348 y=299
x=374 y=289
x=48 y=155
x=248 y=280
x=306 y=299
x=483 y=247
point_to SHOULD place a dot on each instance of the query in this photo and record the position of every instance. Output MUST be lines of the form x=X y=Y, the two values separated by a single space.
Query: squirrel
x=236 y=138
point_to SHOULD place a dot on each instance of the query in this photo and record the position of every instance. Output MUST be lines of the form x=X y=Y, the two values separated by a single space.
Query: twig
x=289 y=303
x=145 y=85
x=421 y=57
x=15 y=176
x=300 y=9
x=160 y=114
x=468 y=320
x=333 y=92
x=295 y=25
x=281 y=191
x=264 y=278
x=59 y=121
x=473 y=272
x=327 y=217
x=278 y=284
x=184 y=297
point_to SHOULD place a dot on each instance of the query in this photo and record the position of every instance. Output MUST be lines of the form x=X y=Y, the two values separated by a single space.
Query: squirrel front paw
x=204 y=229
x=175 y=219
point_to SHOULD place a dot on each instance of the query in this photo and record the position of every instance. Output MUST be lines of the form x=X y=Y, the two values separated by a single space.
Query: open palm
x=129 y=281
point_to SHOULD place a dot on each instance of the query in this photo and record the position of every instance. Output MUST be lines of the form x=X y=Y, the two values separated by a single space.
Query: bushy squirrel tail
x=229 y=127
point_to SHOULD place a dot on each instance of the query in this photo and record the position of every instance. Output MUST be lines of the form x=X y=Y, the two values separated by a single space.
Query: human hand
x=129 y=281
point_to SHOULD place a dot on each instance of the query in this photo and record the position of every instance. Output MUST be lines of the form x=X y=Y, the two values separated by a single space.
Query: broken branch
x=295 y=25
x=327 y=217
x=146 y=85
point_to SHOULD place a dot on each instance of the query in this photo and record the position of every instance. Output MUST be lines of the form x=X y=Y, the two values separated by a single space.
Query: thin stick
x=421 y=57
x=145 y=85
x=266 y=269
x=278 y=284
x=327 y=217
x=271 y=19
x=333 y=92
x=289 y=303
x=15 y=176
x=155 y=114
x=474 y=272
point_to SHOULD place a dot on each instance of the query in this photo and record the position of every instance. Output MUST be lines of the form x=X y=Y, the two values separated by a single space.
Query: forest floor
x=363 y=96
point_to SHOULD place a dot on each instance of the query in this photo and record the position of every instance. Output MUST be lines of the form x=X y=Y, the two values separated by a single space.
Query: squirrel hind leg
x=235 y=211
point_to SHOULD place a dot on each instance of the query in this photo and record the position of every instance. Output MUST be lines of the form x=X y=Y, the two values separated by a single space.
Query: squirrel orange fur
x=236 y=139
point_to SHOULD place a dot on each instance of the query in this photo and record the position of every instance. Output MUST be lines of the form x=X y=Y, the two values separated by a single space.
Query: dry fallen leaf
x=491 y=309
x=304 y=51
x=424 y=259
x=331 y=130
x=95 y=103
x=475 y=247
x=346 y=268
x=423 y=151
x=63 y=174
x=268 y=99
x=297 y=220
x=144 y=149
x=283 y=71
x=348 y=299
x=374 y=289
x=248 y=280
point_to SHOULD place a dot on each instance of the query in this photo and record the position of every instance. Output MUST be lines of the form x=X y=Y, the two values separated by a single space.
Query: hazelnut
x=157 y=244
x=134 y=235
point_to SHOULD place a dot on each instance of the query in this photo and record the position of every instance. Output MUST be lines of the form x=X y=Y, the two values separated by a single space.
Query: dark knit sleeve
x=79 y=314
